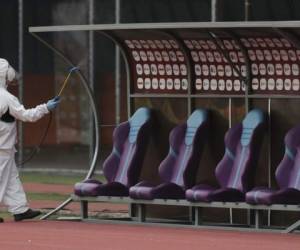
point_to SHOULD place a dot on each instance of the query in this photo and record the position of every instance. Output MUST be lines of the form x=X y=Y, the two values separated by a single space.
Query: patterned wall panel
x=274 y=65
x=214 y=62
x=158 y=66
x=213 y=72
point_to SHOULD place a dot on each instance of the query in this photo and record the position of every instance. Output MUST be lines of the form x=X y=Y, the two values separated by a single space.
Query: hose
x=37 y=148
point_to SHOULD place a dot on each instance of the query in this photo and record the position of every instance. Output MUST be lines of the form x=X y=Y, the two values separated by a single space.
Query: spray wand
x=37 y=148
x=66 y=80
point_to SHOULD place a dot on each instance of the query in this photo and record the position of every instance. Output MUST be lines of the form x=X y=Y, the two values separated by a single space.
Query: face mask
x=13 y=83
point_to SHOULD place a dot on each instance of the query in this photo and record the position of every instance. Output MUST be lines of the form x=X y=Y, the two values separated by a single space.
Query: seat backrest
x=186 y=143
x=288 y=171
x=242 y=146
x=129 y=147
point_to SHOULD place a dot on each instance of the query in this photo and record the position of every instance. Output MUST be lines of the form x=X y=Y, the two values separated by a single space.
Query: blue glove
x=52 y=104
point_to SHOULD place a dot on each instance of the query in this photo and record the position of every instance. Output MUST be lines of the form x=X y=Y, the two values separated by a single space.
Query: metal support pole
x=131 y=210
x=230 y=125
x=192 y=216
x=21 y=82
x=214 y=10
x=246 y=98
x=141 y=212
x=249 y=217
x=231 y=216
x=198 y=217
x=91 y=76
x=258 y=218
x=91 y=44
x=269 y=153
x=118 y=69
x=229 y=112
x=84 y=209
x=247 y=10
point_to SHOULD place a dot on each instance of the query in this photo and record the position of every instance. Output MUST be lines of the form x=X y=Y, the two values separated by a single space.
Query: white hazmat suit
x=11 y=190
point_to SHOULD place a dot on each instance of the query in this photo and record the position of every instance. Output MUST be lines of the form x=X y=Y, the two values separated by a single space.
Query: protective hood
x=7 y=73
x=4 y=65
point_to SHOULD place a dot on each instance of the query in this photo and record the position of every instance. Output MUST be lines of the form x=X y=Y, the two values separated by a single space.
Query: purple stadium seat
x=235 y=171
x=287 y=176
x=122 y=167
x=178 y=169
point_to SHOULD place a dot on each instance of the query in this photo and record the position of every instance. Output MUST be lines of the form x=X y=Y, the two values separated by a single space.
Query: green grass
x=46 y=196
x=49 y=178
x=53 y=178
x=46 y=178
x=5 y=215
x=37 y=196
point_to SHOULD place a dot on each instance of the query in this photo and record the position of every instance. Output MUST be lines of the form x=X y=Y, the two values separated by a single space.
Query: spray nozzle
x=73 y=69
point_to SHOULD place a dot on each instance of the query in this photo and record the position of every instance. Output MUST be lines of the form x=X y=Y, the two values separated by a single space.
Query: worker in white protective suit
x=11 y=190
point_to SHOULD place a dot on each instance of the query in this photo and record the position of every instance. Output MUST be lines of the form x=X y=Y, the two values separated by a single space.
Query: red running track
x=57 y=235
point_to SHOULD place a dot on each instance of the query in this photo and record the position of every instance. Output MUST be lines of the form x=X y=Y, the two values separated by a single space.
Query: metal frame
x=91 y=73
x=95 y=115
x=214 y=10
x=247 y=9
x=21 y=81
x=94 y=111
x=168 y=29
x=164 y=26
x=118 y=68
x=197 y=208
